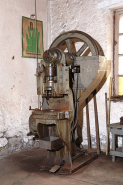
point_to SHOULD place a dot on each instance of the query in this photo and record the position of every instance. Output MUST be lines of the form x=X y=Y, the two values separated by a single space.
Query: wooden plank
x=106 y=108
x=115 y=125
x=96 y=123
x=88 y=125
x=117 y=131
x=82 y=161
x=107 y=123
x=80 y=123
x=116 y=98
x=116 y=153
x=110 y=94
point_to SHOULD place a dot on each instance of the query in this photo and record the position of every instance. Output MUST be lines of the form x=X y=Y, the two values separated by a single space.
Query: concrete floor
x=23 y=168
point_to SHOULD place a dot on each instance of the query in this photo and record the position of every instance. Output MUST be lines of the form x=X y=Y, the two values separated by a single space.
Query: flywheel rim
x=95 y=48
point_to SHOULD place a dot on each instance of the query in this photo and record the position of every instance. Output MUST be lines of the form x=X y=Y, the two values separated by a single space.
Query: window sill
x=116 y=98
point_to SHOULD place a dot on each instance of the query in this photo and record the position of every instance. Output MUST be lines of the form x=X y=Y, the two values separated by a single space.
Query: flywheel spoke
x=82 y=49
x=73 y=47
x=69 y=46
x=69 y=42
x=86 y=52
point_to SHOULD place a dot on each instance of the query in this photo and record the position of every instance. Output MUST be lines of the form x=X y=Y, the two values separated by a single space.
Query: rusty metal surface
x=62 y=41
x=78 y=163
x=51 y=114
x=59 y=103
x=51 y=143
x=61 y=87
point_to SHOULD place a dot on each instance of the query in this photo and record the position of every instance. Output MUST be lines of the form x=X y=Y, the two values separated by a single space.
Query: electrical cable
x=76 y=111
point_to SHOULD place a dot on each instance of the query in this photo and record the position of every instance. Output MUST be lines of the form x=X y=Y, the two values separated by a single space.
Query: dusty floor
x=23 y=168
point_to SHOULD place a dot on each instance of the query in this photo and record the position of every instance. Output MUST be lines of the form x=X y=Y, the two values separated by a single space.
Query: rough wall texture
x=95 y=18
x=17 y=80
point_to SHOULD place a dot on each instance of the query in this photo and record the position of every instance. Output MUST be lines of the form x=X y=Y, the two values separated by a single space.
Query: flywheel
x=77 y=43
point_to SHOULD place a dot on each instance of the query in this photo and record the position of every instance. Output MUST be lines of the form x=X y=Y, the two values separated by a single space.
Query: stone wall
x=17 y=80
x=94 y=17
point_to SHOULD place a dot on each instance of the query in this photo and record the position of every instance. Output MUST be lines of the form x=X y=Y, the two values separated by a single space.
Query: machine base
x=78 y=161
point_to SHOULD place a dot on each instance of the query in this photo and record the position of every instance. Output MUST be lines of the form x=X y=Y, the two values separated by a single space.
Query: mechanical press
x=72 y=68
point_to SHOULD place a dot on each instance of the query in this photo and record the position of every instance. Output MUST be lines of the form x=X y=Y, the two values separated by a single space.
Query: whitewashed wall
x=94 y=17
x=17 y=80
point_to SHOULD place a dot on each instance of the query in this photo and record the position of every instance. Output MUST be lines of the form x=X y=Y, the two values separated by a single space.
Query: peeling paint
x=17 y=80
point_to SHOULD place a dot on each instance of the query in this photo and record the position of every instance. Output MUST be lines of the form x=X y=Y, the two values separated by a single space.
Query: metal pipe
x=36 y=34
x=39 y=101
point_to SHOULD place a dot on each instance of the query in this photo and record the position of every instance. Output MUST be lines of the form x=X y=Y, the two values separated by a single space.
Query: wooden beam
x=88 y=125
x=110 y=94
x=96 y=123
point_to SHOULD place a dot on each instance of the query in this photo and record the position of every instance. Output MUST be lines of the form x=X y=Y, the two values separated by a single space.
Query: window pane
x=121 y=23
x=121 y=44
x=120 y=85
x=120 y=66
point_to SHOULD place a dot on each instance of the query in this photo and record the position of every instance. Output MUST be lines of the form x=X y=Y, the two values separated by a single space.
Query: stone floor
x=23 y=168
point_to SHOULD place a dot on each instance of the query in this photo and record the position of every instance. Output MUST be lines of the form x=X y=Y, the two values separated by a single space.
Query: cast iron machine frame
x=72 y=68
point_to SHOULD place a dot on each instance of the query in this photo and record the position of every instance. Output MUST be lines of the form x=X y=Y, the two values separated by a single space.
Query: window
x=118 y=53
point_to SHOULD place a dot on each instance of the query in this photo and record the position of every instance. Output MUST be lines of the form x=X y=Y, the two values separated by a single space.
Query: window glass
x=118 y=58
x=120 y=85
x=121 y=44
x=120 y=65
x=121 y=23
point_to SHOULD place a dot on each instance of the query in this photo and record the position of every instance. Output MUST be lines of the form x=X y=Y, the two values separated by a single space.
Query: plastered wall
x=94 y=17
x=17 y=80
